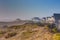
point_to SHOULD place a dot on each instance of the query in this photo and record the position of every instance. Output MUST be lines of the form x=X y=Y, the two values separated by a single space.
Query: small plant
x=10 y=34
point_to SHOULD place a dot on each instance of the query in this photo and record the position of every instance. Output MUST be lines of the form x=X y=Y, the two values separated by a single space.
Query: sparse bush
x=2 y=33
x=17 y=27
x=46 y=27
x=5 y=26
x=41 y=24
x=10 y=34
x=27 y=34
x=52 y=28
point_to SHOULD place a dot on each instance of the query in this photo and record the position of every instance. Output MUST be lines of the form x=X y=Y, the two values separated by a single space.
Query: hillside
x=11 y=23
x=25 y=32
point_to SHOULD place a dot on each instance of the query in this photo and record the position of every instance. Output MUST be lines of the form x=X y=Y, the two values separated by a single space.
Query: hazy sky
x=26 y=9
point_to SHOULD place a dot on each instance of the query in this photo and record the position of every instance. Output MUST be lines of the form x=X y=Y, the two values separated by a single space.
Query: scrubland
x=29 y=32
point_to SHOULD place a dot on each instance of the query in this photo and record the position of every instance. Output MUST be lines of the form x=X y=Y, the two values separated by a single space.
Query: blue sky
x=26 y=9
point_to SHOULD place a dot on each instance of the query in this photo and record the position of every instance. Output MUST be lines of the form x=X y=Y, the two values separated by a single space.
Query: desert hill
x=26 y=32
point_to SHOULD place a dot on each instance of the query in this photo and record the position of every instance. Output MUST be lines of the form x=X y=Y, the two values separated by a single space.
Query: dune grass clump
x=2 y=33
x=24 y=27
x=56 y=36
x=54 y=30
x=10 y=34
x=27 y=34
x=17 y=27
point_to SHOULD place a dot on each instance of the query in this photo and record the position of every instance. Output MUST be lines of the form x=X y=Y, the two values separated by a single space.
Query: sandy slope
x=39 y=33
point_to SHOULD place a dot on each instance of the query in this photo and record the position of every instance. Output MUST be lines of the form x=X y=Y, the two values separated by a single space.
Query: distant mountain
x=18 y=20
x=36 y=19
x=12 y=23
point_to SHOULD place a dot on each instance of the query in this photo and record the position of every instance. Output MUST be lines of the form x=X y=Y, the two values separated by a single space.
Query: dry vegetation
x=28 y=32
